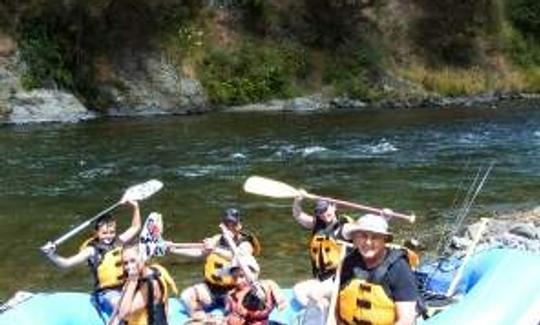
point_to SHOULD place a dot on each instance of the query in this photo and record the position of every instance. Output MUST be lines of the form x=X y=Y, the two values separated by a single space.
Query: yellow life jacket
x=106 y=263
x=324 y=249
x=364 y=301
x=214 y=264
x=155 y=313
x=412 y=256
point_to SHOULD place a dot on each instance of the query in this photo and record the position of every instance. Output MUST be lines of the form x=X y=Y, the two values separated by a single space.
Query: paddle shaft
x=348 y=204
x=279 y=190
x=470 y=250
x=85 y=224
x=234 y=248
x=331 y=317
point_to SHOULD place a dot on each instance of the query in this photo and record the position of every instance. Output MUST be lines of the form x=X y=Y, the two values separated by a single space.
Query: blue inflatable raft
x=498 y=286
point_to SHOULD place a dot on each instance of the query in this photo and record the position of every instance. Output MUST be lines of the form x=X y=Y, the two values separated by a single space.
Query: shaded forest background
x=254 y=50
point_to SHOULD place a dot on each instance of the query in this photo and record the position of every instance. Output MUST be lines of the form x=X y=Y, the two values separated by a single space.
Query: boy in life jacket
x=251 y=301
x=145 y=293
x=103 y=254
x=324 y=246
x=218 y=256
x=376 y=285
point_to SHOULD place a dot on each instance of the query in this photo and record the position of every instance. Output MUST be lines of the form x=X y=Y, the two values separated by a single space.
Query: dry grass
x=475 y=80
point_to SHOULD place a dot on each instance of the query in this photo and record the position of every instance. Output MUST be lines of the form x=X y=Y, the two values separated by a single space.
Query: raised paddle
x=272 y=188
x=134 y=193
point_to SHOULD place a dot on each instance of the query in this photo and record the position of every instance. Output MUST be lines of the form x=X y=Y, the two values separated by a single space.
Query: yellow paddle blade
x=269 y=187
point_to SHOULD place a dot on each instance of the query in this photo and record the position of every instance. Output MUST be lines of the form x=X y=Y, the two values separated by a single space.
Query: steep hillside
x=169 y=53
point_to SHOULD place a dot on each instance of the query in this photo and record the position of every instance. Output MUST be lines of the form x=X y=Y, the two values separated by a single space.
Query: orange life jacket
x=240 y=314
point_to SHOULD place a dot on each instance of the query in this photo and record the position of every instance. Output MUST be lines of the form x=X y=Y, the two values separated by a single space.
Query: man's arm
x=404 y=292
x=305 y=220
x=195 y=253
x=67 y=262
x=405 y=312
x=135 y=227
x=209 y=244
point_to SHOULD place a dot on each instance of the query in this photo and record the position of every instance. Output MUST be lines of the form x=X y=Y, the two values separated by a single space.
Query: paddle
x=272 y=188
x=331 y=317
x=250 y=275
x=151 y=242
x=134 y=193
x=470 y=250
x=237 y=254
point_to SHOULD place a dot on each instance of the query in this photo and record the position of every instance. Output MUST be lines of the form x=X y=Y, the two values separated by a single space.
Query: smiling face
x=371 y=245
x=106 y=232
x=239 y=277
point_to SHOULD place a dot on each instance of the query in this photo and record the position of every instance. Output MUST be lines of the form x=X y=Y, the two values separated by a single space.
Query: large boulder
x=45 y=106
x=150 y=84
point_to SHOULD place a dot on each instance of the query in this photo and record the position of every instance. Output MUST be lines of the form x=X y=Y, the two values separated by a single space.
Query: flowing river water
x=56 y=176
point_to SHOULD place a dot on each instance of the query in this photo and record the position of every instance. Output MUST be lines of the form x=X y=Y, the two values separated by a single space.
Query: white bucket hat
x=369 y=222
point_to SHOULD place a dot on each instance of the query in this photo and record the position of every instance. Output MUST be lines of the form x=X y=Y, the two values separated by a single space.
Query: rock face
x=46 y=106
x=149 y=84
x=20 y=106
x=9 y=76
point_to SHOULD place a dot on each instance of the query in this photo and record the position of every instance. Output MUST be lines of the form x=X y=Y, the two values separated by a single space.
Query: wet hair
x=103 y=220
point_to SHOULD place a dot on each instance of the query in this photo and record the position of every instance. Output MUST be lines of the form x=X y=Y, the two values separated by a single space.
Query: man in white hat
x=377 y=285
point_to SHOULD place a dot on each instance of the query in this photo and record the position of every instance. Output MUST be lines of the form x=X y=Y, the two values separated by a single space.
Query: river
x=55 y=176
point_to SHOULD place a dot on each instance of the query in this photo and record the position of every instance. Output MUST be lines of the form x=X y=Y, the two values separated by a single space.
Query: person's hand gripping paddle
x=137 y=192
x=272 y=188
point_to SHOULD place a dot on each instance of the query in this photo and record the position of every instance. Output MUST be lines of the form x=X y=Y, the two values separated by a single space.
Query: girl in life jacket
x=103 y=254
x=251 y=301
x=145 y=293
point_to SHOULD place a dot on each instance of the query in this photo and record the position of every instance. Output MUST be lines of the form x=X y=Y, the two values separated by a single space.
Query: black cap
x=231 y=215
x=321 y=206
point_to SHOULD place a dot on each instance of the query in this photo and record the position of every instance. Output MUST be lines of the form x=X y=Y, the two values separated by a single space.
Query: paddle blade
x=151 y=242
x=269 y=187
x=142 y=191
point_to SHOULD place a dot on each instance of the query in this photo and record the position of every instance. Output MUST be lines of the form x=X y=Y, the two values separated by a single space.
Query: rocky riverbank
x=519 y=230
x=148 y=84
x=318 y=102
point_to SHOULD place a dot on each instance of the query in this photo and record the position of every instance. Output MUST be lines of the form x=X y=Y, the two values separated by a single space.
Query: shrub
x=43 y=54
x=525 y=15
x=251 y=72
x=352 y=68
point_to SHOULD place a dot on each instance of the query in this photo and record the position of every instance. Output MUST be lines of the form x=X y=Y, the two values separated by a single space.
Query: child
x=103 y=254
x=146 y=291
x=251 y=301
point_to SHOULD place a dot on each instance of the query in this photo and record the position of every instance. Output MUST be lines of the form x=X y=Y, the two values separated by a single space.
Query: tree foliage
x=525 y=15
x=448 y=30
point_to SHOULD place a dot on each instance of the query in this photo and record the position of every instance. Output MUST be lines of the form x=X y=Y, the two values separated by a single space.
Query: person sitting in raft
x=103 y=254
x=145 y=294
x=218 y=255
x=251 y=301
x=377 y=285
x=324 y=246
